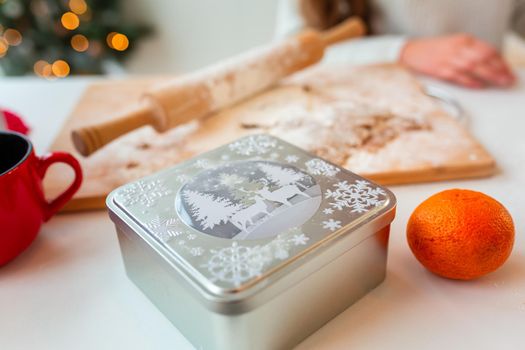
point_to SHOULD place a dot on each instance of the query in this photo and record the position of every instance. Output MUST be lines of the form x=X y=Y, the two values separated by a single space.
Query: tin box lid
x=231 y=218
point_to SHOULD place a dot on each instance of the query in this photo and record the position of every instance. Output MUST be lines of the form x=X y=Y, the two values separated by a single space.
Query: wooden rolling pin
x=198 y=94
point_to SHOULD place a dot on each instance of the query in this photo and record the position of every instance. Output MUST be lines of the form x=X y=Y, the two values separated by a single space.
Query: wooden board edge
x=394 y=178
x=84 y=204
x=435 y=174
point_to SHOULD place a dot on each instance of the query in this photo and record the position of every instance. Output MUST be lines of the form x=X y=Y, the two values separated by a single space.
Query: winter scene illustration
x=248 y=200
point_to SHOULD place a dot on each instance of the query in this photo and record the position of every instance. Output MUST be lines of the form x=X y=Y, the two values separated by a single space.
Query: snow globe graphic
x=248 y=200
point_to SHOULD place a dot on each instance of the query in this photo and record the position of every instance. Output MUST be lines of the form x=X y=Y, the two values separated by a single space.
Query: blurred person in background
x=454 y=40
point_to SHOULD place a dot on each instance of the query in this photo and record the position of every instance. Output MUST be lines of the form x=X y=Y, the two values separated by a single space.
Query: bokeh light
x=60 y=68
x=70 y=21
x=4 y=46
x=119 y=42
x=13 y=37
x=78 y=6
x=79 y=43
x=47 y=72
x=72 y=31
x=12 y=9
x=42 y=69
x=109 y=37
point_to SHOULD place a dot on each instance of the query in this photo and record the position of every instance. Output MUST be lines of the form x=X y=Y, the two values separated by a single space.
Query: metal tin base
x=279 y=323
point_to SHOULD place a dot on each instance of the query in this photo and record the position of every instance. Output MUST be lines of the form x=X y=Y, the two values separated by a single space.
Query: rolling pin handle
x=90 y=138
x=350 y=28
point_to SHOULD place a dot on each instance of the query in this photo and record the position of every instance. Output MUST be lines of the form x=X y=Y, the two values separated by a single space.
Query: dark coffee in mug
x=13 y=150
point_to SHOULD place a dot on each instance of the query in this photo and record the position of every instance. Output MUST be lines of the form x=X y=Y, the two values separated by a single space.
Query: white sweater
x=488 y=20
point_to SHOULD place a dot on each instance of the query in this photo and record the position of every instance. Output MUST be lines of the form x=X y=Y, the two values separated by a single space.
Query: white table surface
x=69 y=289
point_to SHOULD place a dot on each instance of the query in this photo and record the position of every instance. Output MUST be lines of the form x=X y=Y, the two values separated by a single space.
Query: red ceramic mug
x=23 y=207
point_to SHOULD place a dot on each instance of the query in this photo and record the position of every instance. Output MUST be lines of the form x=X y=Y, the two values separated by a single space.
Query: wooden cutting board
x=373 y=120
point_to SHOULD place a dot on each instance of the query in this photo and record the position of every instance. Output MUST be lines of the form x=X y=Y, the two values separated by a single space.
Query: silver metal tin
x=254 y=245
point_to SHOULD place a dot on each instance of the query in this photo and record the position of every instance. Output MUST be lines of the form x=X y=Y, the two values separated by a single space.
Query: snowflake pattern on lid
x=203 y=164
x=359 y=196
x=332 y=224
x=300 y=239
x=166 y=229
x=291 y=158
x=144 y=192
x=253 y=145
x=238 y=263
x=328 y=211
x=233 y=194
x=318 y=166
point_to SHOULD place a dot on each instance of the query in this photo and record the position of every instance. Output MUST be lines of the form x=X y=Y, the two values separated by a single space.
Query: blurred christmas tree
x=55 y=38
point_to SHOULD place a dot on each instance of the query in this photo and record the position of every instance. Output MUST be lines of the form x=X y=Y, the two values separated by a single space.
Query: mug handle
x=51 y=208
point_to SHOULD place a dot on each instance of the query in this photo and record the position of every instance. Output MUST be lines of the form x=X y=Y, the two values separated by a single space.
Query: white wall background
x=193 y=33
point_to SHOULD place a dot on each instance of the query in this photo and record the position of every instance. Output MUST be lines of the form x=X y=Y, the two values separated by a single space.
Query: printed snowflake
x=191 y=236
x=236 y=264
x=318 y=166
x=165 y=230
x=291 y=159
x=196 y=251
x=328 y=211
x=231 y=180
x=296 y=230
x=281 y=253
x=143 y=192
x=182 y=178
x=300 y=239
x=255 y=144
x=332 y=224
x=279 y=247
x=202 y=164
x=359 y=196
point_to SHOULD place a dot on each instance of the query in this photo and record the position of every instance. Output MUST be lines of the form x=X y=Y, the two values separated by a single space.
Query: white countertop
x=69 y=289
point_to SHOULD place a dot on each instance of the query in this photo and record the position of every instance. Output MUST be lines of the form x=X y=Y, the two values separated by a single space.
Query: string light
x=47 y=72
x=42 y=69
x=109 y=37
x=4 y=46
x=118 y=41
x=39 y=67
x=79 y=43
x=13 y=37
x=78 y=6
x=60 y=68
x=70 y=21
x=76 y=34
